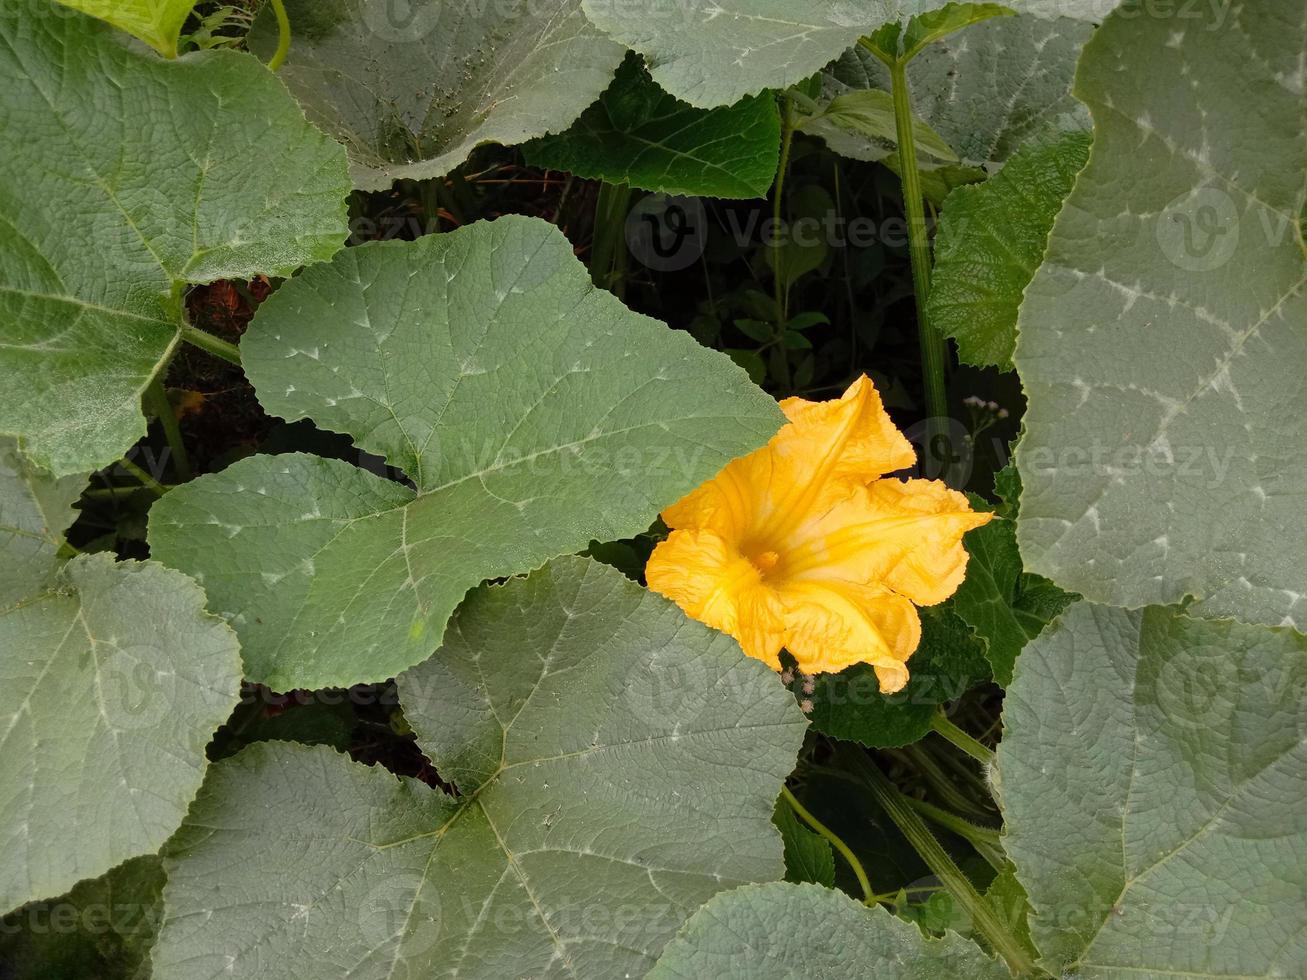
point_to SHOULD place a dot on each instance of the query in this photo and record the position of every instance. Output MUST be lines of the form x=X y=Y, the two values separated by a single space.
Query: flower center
x=766 y=561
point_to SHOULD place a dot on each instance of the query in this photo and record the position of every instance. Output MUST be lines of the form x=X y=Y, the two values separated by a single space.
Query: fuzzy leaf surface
x=1178 y=792
x=533 y=412
x=595 y=736
x=781 y=931
x=124 y=177
x=412 y=88
x=117 y=679
x=35 y=511
x=1161 y=343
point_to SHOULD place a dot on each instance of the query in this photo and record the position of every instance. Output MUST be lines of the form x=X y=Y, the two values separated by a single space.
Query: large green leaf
x=1161 y=343
x=784 y=931
x=638 y=134
x=985 y=90
x=156 y=22
x=715 y=52
x=1152 y=774
x=103 y=928
x=617 y=765
x=412 y=87
x=991 y=241
x=124 y=177
x=35 y=511
x=115 y=680
x=533 y=412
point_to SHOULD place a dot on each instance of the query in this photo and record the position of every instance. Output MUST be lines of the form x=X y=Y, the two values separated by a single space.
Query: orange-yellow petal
x=713 y=583
x=832 y=626
x=905 y=536
x=806 y=467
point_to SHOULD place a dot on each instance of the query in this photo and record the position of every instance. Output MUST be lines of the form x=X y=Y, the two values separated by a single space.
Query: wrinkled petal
x=803 y=545
x=832 y=626
x=704 y=575
x=810 y=464
x=903 y=535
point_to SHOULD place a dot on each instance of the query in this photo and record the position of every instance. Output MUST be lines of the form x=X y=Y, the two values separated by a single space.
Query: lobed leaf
x=781 y=931
x=1161 y=342
x=595 y=735
x=412 y=88
x=533 y=412
x=117 y=680
x=124 y=178
x=1151 y=773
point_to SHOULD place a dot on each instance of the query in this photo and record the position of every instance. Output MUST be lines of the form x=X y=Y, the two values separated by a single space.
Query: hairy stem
x=157 y=403
x=934 y=350
x=941 y=726
x=214 y=345
x=983 y=916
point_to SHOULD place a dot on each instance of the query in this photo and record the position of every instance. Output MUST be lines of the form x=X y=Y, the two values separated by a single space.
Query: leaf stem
x=283 y=36
x=984 y=839
x=983 y=916
x=868 y=896
x=941 y=726
x=147 y=481
x=778 y=211
x=214 y=345
x=609 y=253
x=156 y=402
x=934 y=350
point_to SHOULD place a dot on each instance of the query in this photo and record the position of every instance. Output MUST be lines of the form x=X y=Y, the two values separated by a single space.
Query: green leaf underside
x=1161 y=343
x=533 y=412
x=809 y=857
x=949 y=662
x=156 y=22
x=103 y=928
x=991 y=242
x=595 y=735
x=124 y=175
x=118 y=680
x=35 y=510
x=1152 y=777
x=783 y=931
x=639 y=135
x=986 y=90
x=1004 y=605
x=412 y=88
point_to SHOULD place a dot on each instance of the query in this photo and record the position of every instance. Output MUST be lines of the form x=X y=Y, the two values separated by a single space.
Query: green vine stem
x=214 y=345
x=984 y=839
x=984 y=917
x=934 y=349
x=921 y=761
x=283 y=36
x=609 y=253
x=868 y=896
x=157 y=403
x=778 y=210
x=941 y=726
x=144 y=478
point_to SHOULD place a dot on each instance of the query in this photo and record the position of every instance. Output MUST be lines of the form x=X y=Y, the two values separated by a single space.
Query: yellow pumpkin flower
x=803 y=546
